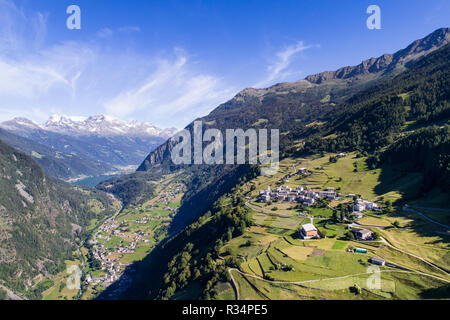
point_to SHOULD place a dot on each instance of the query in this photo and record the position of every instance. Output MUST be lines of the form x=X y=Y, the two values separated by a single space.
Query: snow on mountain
x=99 y=125
x=20 y=126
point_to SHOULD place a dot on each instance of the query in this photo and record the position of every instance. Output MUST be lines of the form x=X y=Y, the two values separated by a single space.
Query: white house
x=370 y=205
x=309 y=231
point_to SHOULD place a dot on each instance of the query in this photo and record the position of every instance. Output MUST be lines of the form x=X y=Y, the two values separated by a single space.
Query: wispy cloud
x=30 y=73
x=130 y=29
x=174 y=90
x=86 y=77
x=279 y=70
x=105 y=33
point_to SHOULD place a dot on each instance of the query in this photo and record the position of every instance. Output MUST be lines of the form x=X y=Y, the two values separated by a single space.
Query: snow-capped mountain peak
x=103 y=125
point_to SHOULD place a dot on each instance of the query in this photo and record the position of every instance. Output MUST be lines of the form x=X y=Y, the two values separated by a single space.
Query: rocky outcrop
x=387 y=62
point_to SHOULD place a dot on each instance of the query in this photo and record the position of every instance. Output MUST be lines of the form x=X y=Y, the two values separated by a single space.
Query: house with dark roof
x=378 y=261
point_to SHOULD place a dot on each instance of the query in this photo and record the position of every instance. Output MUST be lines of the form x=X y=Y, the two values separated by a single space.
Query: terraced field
x=277 y=264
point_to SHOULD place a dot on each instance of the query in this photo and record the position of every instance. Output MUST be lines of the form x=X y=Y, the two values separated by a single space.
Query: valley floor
x=118 y=242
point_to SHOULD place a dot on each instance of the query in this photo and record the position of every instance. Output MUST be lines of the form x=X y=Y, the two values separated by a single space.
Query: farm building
x=309 y=231
x=378 y=261
x=362 y=234
x=357 y=215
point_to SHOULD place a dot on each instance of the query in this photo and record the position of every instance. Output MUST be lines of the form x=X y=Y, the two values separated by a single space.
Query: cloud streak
x=174 y=90
x=86 y=76
x=279 y=70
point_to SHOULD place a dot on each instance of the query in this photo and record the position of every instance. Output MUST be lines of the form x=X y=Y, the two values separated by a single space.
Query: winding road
x=410 y=209
x=236 y=287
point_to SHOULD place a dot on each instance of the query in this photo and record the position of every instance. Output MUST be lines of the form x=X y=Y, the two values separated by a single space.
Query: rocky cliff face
x=388 y=62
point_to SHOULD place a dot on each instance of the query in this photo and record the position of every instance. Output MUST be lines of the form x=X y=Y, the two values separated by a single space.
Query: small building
x=308 y=202
x=362 y=234
x=357 y=215
x=360 y=250
x=378 y=261
x=265 y=198
x=309 y=231
x=370 y=205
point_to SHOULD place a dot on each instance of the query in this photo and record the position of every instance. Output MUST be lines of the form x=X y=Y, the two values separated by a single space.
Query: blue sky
x=168 y=62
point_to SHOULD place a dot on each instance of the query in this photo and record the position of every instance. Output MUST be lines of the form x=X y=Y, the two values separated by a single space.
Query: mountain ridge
x=100 y=125
x=249 y=104
x=387 y=62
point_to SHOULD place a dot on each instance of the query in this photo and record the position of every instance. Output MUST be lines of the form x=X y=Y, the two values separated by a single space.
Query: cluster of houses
x=362 y=205
x=169 y=195
x=299 y=194
x=309 y=197
x=112 y=268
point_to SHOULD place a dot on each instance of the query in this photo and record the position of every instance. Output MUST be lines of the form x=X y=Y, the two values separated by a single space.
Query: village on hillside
x=127 y=237
x=309 y=198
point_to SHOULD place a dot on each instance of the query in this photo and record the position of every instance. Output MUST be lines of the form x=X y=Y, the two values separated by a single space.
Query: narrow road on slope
x=235 y=285
x=407 y=208
x=325 y=279
x=11 y=294
x=413 y=255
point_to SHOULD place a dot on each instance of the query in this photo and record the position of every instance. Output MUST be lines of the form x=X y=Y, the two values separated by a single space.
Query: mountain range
x=71 y=147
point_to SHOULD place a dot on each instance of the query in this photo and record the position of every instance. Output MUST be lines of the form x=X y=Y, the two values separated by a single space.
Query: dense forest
x=426 y=150
x=373 y=118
